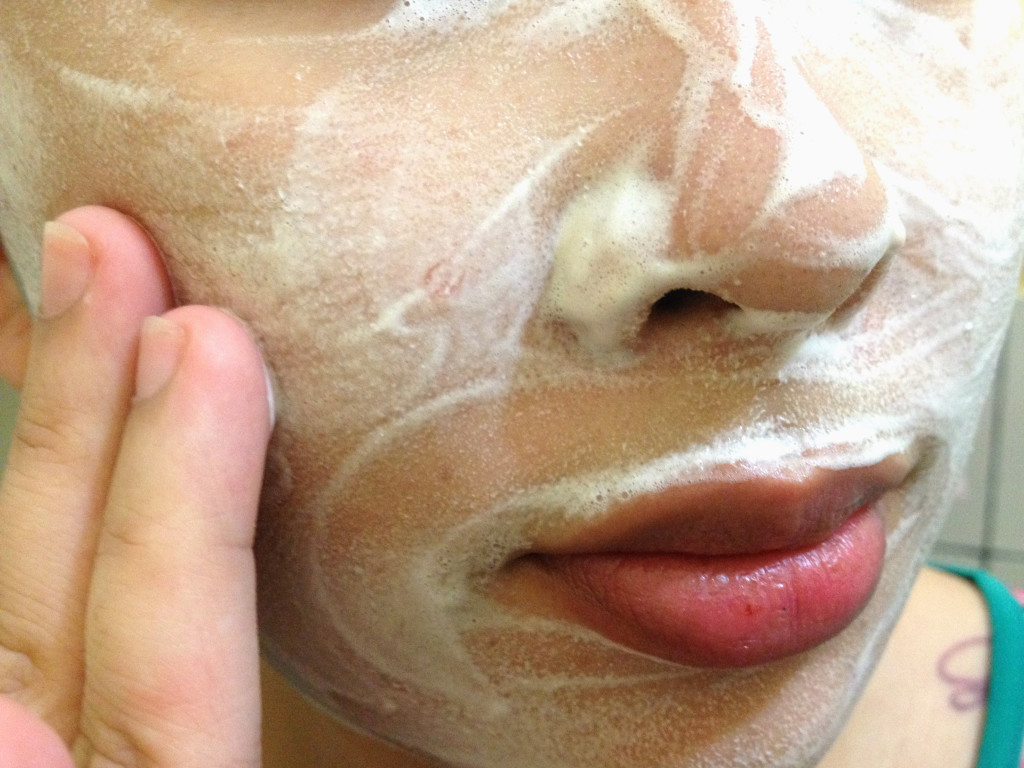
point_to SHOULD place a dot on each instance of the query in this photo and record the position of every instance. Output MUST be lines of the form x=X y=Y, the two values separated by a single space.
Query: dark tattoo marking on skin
x=969 y=691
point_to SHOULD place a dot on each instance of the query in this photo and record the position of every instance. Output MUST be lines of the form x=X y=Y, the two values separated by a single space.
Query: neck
x=924 y=706
x=296 y=734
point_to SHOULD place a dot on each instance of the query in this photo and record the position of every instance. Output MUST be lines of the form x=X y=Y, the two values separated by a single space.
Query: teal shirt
x=1003 y=735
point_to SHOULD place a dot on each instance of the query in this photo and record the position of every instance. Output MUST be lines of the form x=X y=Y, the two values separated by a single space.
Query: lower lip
x=735 y=611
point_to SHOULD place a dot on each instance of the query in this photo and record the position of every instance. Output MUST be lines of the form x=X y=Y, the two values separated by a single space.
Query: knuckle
x=40 y=665
x=18 y=674
x=49 y=436
x=136 y=524
x=24 y=647
x=165 y=711
x=159 y=721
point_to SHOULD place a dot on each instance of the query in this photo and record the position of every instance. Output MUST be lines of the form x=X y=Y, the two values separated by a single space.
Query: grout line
x=992 y=471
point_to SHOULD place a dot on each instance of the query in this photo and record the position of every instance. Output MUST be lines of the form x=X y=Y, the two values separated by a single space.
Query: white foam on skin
x=609 y=261
x=615 y=256
x=411 y=15
x=115 y=93
x=442 y=578
x=904 y=370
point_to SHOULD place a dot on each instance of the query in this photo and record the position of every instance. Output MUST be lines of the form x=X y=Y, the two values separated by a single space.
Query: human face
x=627 y=350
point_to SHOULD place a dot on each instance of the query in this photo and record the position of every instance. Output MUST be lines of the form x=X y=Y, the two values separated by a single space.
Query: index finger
x=78 y=385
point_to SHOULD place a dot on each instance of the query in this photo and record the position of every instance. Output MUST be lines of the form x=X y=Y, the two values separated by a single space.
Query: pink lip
x=726 y=574
x=737 y=515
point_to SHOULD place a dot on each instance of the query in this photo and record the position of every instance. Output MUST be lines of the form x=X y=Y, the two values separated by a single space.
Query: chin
x=426 y=640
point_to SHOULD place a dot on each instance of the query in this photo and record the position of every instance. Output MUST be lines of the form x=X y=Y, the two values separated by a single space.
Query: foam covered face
x=608 y=332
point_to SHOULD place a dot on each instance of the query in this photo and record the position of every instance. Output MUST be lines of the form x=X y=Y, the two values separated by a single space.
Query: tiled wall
x=987 y=525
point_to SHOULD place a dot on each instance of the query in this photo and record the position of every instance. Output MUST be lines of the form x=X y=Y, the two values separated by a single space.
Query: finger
x=15 y=328
x=27 y=742
x=172 y=674
x=75 y=397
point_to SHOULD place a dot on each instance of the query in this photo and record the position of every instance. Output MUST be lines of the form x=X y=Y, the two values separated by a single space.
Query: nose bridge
x=772 y=190
x=767 y=202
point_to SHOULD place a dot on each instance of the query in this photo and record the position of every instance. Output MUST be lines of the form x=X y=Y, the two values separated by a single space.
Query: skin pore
x=518 y=264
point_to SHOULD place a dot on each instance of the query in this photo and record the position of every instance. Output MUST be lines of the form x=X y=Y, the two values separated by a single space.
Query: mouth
x=728 y=574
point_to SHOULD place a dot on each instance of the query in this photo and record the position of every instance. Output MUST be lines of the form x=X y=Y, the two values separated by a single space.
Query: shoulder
x=924 y=706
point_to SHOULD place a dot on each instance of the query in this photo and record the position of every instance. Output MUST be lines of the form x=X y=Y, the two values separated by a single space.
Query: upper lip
x=782 y=510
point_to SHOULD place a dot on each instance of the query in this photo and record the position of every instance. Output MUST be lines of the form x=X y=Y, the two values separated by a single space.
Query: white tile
x=1010 y=572
x=1009 y=449
x=965 y=523
x=955 y=556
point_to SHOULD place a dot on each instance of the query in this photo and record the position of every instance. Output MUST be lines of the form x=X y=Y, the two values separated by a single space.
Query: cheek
x=391 y=260
x=191 y=173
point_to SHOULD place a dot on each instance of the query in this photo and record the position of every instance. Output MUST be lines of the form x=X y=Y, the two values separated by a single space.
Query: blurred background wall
x=986 y=525
x=8 y=407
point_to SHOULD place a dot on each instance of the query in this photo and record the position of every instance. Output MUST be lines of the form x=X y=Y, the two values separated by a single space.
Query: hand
x=127 y=512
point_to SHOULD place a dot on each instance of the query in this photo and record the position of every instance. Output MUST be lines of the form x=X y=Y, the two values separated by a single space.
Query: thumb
x=28 y=742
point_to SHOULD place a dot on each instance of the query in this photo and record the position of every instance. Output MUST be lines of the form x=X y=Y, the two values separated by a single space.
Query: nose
x=765 y=201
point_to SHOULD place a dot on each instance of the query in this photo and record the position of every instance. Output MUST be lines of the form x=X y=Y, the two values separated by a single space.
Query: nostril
x=677 y=301
x=683 y=307
x=685 y=301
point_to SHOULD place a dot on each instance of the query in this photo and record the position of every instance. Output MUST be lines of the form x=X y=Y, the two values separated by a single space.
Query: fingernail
x=271 y=397
x=160 y=347
x=67 y=268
